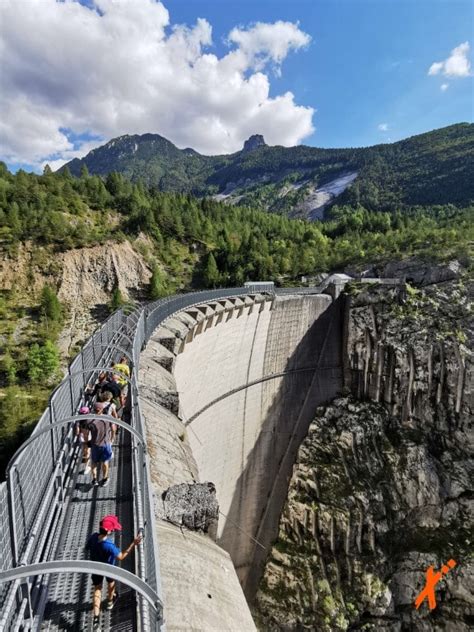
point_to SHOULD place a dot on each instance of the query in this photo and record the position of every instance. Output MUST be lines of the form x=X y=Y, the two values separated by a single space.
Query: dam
x=224 y=385
x=228 y=389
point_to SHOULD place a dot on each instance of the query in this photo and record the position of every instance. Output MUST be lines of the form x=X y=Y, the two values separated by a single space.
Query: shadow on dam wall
x=269 y=466
x=312 y=376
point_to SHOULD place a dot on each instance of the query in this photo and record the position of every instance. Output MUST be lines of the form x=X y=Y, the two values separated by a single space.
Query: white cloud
x=268 y=42
x=444 y=87
x=456 y=65
x=122 y=69
x=382 y=127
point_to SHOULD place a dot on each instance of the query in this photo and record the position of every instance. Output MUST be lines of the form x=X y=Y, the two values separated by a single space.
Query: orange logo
x=432 y=579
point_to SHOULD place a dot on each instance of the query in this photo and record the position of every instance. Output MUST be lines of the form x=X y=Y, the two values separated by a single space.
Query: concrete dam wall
x=228 y=391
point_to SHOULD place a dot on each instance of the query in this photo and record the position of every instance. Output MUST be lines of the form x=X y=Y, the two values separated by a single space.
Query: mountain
x=429 y=169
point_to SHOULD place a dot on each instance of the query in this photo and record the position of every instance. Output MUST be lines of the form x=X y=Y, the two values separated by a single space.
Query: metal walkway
x=69 y=596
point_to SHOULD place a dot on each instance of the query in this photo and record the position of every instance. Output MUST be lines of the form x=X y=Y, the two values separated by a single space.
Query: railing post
x=52 y=419
x=12 y=514
x=71 y=390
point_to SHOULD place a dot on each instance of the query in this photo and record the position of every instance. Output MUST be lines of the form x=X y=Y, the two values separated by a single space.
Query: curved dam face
x=250 y=374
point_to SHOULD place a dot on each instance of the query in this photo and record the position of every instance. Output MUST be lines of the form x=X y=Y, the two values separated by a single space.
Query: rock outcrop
x=383 y=484
x=192 y=505
x=254 y=142
x=80 y=276
x=412 y=270
x=83 y=278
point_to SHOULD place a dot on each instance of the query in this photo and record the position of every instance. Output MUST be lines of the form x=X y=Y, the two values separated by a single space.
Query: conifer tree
x=211 y=272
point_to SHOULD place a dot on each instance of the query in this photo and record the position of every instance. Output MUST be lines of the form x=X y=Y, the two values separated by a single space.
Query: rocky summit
x=254 y=142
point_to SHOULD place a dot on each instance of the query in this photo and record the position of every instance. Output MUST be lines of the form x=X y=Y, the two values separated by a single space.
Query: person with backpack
x=101 y=549
x=102 y=433
x=109 y=409
x=110 y=385
x=92 y=390
x=123 y=369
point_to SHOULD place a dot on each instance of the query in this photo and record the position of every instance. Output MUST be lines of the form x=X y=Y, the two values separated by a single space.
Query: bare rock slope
x=83 y=278
x=383 y=484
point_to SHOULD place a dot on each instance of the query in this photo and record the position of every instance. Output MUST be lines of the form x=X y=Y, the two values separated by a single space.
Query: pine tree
x=211 y=272
x=157 y=288
x=9 y=368
x=51 y=308
x=116 y=300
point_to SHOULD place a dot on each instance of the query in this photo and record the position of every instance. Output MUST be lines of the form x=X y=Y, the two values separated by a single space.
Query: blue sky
x=367 y=62
x=76 y=74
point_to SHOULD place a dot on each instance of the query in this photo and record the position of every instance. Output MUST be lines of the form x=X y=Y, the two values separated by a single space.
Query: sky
x=209 y=73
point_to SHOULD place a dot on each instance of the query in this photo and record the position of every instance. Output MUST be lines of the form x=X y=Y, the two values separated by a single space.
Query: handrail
x=86 y=567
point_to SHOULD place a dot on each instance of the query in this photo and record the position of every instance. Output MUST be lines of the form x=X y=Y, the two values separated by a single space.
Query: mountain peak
x=254 y=142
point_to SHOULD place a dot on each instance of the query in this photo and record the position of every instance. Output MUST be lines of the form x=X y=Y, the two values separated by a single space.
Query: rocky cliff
x=383 y=484
x=83 y=278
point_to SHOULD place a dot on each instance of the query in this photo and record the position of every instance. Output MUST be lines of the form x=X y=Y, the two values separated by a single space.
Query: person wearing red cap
x=103 y=550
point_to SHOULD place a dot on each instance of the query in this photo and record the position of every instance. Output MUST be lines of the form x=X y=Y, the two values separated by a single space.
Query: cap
x=111 y=523
x=84 y=410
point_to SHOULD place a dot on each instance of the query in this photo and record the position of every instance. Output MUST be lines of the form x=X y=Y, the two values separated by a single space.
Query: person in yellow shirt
x=123 y=369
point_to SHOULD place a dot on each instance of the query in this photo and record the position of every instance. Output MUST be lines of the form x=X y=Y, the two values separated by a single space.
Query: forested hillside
x=246 y=244
x=432 y=168
x=185 y=242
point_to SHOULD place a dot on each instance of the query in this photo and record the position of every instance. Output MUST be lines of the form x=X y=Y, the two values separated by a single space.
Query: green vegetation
x=29 y=364
x=43 y=362
x=157 y=287
x=116 y=300
x=60 y=212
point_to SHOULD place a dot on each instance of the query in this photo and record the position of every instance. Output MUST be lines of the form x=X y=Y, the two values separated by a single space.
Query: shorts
x=97 y=580
x=101 y=453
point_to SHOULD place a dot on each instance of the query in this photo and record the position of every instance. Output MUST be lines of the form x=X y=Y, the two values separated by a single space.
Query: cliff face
x=382 y=487
x=83 y=278
x=85 y=275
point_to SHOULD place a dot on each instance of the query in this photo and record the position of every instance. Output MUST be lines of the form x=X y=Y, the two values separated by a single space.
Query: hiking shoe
x=95 y=624
x=111 y=604
x=95 y=482
x=105 y=482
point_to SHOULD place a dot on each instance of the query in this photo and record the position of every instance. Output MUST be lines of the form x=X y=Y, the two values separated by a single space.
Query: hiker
x=91 y=392
x=102 y=432
x=124 y=369
x=109 y=409
x=82 y=431
x=101 y=549
x=112 y=386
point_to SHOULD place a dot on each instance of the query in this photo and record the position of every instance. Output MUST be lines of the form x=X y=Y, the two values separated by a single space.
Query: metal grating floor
x=70 y=595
